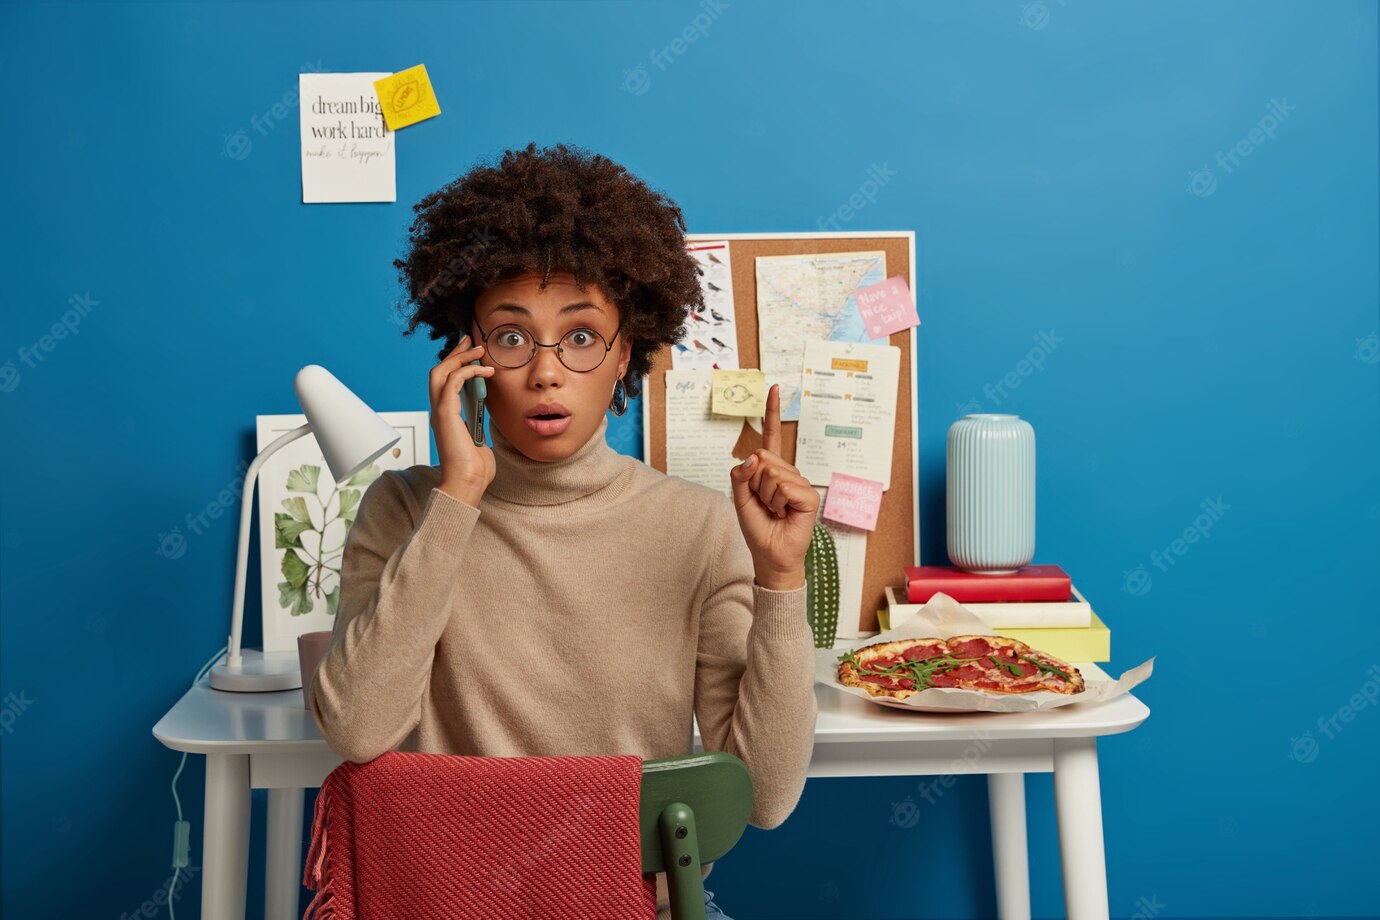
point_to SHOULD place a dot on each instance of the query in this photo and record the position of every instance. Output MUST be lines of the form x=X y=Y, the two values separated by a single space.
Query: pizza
x=994 y=664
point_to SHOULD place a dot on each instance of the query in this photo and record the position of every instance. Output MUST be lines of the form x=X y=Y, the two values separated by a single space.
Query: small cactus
x=822 y=586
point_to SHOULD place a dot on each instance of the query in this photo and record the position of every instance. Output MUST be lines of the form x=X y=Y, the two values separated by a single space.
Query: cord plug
x=182 y=833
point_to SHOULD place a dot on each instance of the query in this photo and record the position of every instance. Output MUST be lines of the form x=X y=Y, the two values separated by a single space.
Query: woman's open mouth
x=549 y=422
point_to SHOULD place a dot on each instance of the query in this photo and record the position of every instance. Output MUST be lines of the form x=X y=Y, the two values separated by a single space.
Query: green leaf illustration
x=303 y=479
x=365 y=476
x=294 y=599
x=349 y=504
x=294 y=569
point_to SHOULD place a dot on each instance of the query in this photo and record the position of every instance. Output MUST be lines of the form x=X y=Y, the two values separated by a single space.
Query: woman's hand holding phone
x=466 y=468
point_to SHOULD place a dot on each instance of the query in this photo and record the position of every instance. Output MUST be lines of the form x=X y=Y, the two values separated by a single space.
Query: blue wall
x=1214 y=337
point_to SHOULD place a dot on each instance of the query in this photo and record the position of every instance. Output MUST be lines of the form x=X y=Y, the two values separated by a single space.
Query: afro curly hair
x=559 y=209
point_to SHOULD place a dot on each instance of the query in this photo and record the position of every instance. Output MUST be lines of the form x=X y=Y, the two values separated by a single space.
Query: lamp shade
x=349 y=433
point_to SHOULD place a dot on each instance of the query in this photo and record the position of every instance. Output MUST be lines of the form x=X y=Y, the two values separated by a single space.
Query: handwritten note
x=887 y=307
x=699 y=444
x=847 y=411
x=740 y=392
x=347 y=147
x=853 y=501
x=407 y=97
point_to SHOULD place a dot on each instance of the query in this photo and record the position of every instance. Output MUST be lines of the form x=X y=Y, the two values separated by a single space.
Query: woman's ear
x=624 y=355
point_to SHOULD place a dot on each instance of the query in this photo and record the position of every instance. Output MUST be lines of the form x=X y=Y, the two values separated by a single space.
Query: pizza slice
x=993 y=664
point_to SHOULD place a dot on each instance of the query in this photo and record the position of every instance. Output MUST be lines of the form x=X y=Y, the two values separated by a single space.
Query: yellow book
x=1090 y=643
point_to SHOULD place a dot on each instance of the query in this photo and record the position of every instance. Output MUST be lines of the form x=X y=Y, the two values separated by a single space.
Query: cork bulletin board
x=896 y=541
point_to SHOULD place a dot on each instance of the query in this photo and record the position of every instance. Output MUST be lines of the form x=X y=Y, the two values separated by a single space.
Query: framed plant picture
x=304 y=517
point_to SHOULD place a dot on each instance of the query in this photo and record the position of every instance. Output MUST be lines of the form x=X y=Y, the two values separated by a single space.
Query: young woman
x=548 y=595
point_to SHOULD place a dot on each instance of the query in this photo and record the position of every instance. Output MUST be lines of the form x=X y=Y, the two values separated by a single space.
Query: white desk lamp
x=351 y=436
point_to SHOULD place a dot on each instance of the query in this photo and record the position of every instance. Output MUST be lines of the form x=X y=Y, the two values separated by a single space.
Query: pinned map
x=807 y=297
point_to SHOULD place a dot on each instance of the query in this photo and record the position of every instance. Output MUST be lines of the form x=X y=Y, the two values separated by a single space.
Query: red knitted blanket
x=449 y=837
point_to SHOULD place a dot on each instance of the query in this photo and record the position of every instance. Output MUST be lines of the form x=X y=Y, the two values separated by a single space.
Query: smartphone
x=472 y=396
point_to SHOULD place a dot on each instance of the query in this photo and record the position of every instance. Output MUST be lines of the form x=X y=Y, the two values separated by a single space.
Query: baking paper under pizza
x=944 y=658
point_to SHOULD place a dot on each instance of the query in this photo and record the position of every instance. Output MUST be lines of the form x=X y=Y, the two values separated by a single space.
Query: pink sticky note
x=886 y=307
x=853 y=501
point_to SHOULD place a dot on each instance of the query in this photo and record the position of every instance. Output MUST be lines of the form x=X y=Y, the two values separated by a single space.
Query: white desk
x=269 y=741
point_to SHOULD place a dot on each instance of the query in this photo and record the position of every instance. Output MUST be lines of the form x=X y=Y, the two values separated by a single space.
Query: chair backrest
x=694 y=809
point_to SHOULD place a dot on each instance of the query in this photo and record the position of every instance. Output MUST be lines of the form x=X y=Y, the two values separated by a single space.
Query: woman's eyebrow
x=568 y=308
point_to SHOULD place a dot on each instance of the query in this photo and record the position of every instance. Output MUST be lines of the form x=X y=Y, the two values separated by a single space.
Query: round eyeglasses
x=581 y=349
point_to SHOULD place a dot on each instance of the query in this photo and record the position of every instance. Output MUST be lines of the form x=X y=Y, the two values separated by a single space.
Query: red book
x=1028 y=583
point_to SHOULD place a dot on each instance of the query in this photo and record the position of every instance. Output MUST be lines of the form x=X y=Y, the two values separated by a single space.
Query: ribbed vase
x=991 y=493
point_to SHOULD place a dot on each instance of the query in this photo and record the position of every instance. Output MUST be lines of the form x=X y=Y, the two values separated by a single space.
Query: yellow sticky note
x=739 y=392
x=407 y=97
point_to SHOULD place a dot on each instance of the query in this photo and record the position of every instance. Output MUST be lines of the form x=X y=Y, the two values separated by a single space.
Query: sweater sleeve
x=396 y=583
x=754 y=678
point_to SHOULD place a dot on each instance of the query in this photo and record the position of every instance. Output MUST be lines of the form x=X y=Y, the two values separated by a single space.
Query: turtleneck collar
x=524 y=481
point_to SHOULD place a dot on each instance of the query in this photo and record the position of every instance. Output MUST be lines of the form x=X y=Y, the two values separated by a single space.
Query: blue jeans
x=711 y=910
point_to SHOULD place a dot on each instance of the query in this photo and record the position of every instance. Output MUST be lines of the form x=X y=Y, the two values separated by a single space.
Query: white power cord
x=182 y=830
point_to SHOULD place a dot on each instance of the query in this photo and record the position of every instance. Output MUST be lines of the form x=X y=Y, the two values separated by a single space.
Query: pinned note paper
x=347 y=147
x=847 y=411
x=853 y=501
x=740 y=392
x=407 y=97
x=887 y=307
x=699 y=444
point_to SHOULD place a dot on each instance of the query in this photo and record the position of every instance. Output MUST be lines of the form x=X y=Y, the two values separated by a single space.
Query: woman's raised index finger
x=771 y=422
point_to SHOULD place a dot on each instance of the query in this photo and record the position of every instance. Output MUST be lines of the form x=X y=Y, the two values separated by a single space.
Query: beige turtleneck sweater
x=590 y=605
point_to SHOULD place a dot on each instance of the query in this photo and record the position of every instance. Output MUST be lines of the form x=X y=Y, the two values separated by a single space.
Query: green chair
x=693 y=810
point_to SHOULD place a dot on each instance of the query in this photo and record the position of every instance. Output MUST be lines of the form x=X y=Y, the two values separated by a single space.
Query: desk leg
x=1006 y=798
x=1078 y=803
x=283 y=863
x=225 y=839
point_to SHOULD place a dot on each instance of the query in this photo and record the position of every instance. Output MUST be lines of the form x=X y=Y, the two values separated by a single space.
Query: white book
x=1074 y=614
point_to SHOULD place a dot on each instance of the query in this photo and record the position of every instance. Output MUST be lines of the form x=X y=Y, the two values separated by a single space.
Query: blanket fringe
x=317 y=873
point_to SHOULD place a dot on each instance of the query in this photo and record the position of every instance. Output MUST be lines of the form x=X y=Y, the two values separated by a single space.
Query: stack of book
x=1038 y=604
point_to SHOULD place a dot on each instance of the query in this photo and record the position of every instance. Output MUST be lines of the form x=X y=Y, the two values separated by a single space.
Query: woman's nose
x=546 y=368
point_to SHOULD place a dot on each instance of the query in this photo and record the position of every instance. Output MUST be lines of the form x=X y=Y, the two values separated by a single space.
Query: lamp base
x=259 y=672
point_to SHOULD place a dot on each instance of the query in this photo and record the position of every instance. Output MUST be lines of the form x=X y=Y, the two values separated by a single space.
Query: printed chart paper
x=847 y=411
x=805 y=297
x=699 y=444
x=347 y=149
x=711 y=334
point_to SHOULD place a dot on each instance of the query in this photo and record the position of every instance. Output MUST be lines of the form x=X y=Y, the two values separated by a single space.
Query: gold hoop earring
x=619 y=404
